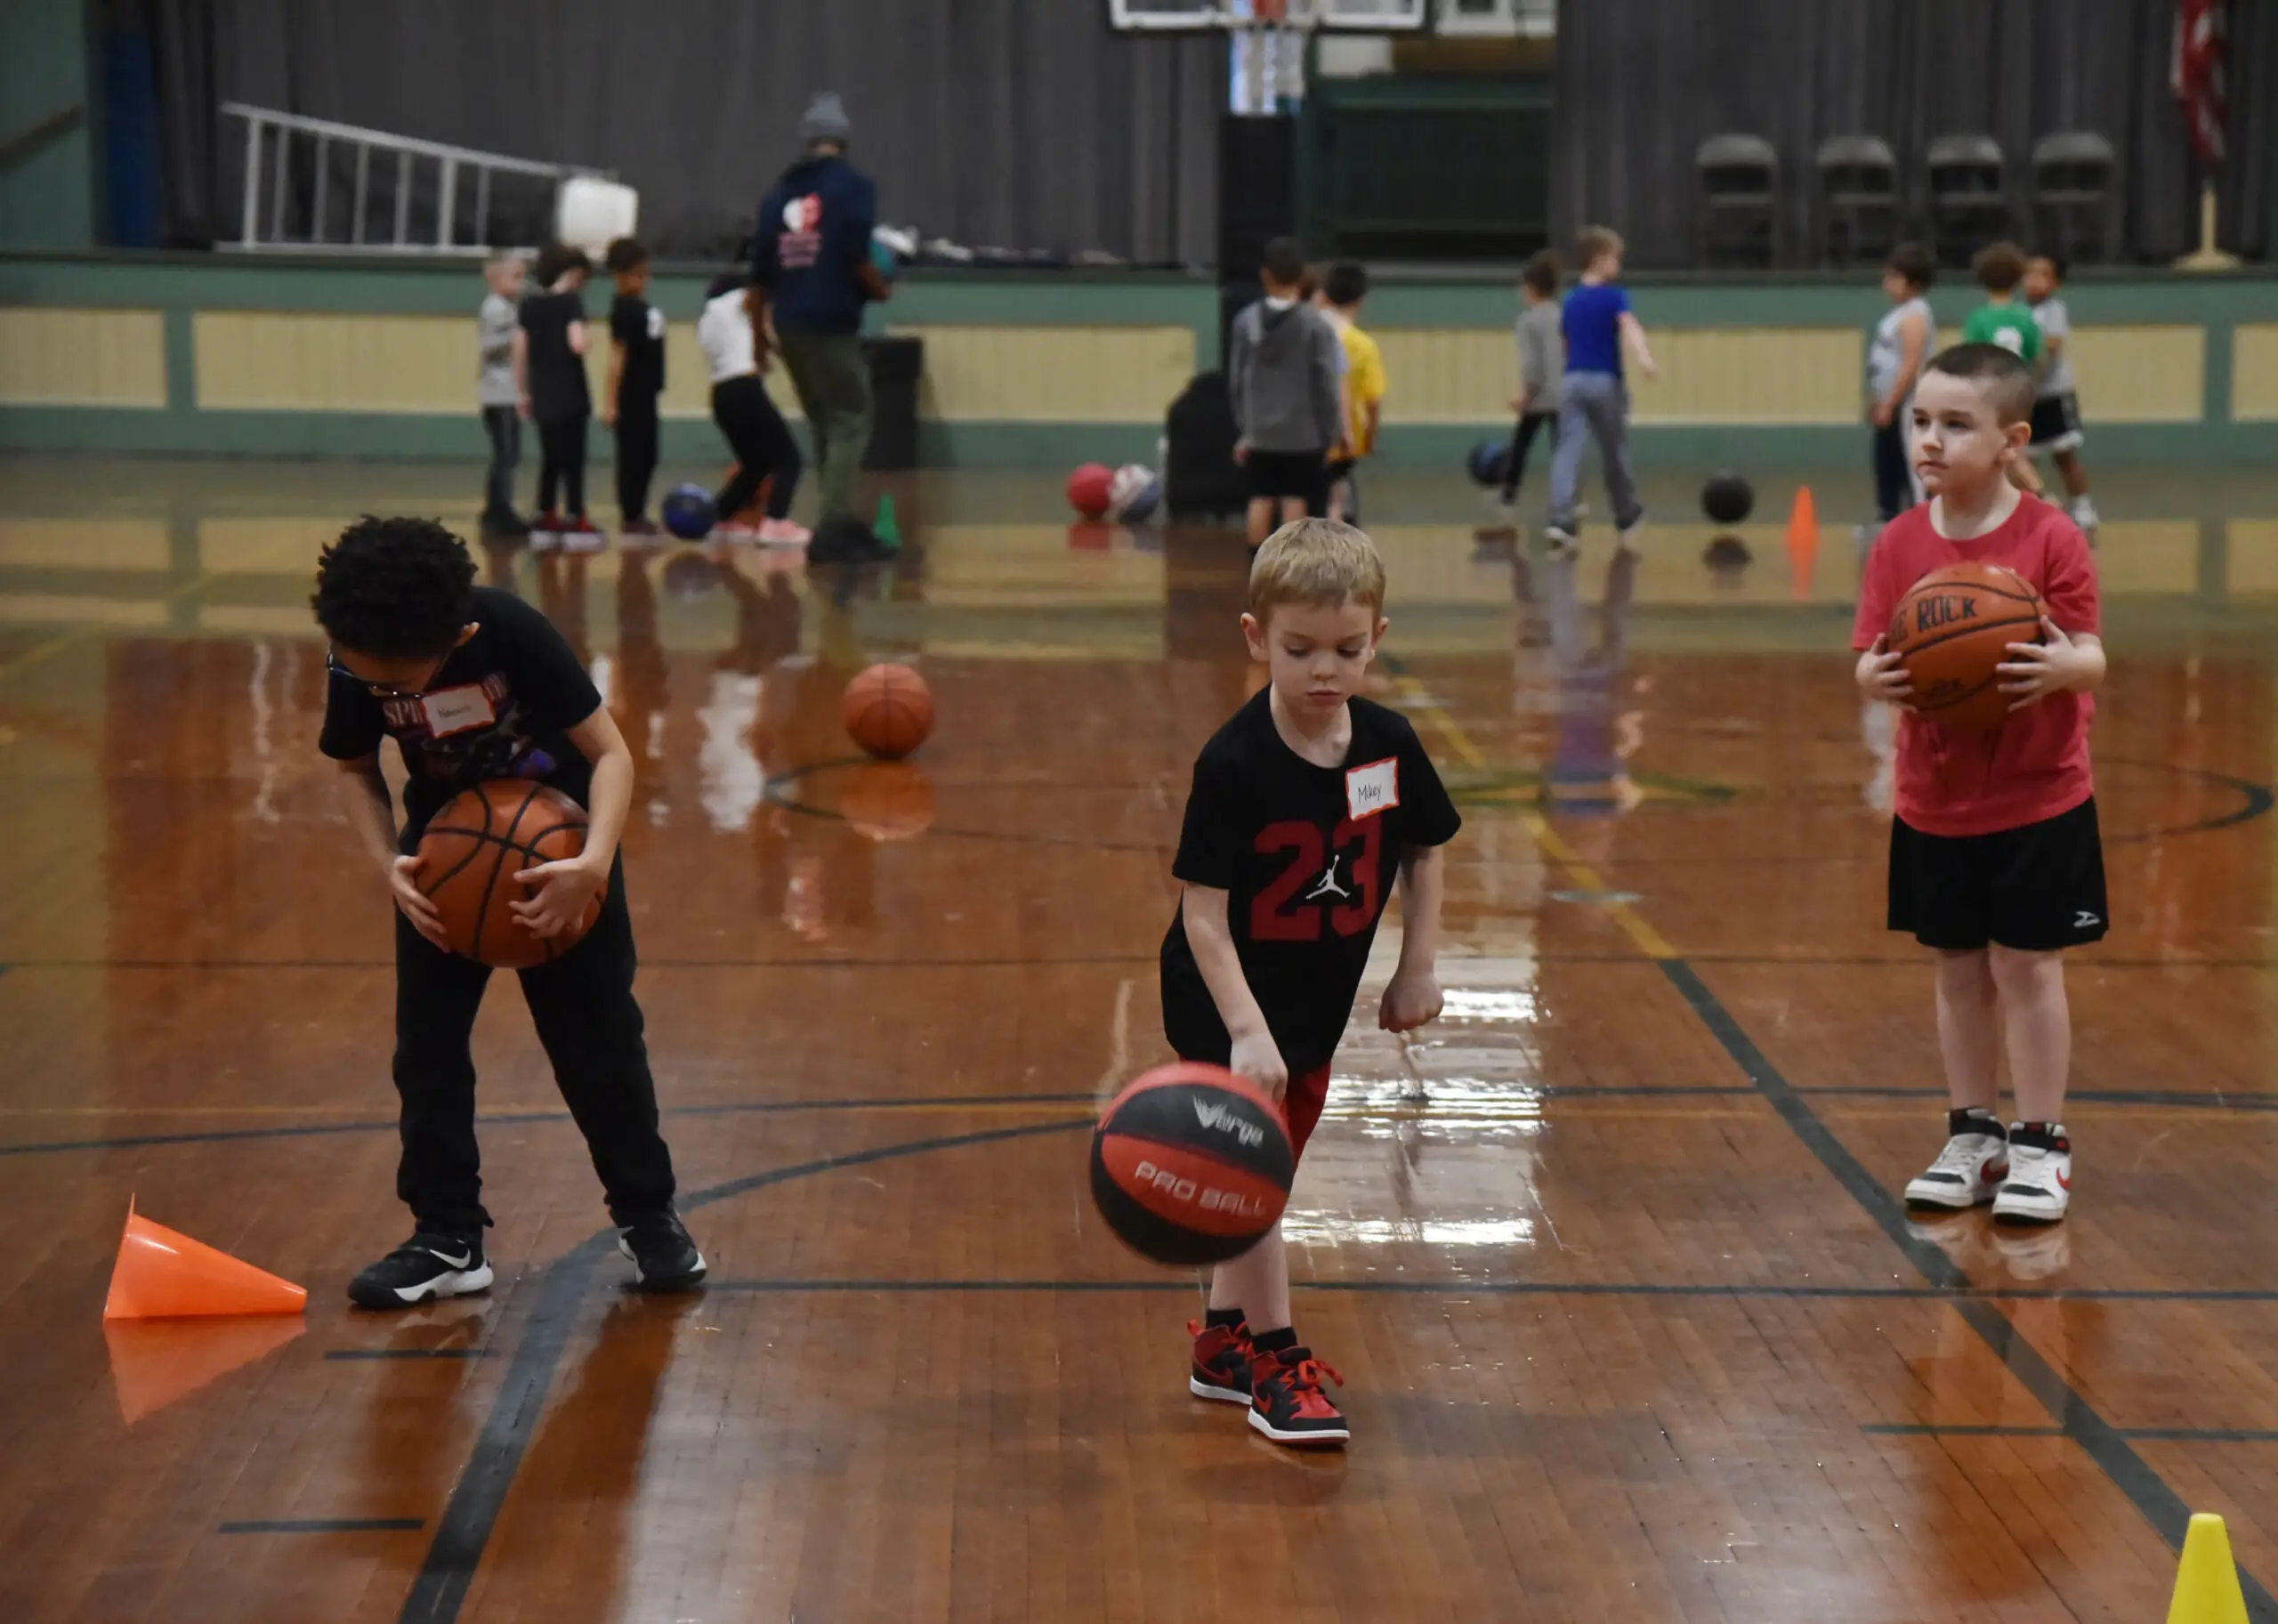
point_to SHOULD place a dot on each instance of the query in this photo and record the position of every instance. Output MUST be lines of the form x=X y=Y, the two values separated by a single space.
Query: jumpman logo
x=1328 y=887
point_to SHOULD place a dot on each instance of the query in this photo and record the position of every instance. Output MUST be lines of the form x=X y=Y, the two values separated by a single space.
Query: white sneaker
x=1561 y=542
x=1626 y=541
x=1967 y=1173
x=2040 y=1186
x=2084 y=515
x=783 y=533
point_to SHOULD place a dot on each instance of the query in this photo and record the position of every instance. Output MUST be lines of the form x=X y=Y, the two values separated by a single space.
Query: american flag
x=2201 y=43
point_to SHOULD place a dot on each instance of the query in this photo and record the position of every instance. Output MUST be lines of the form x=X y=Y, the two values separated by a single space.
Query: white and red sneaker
x=2040 y=1184
x=1971 y=1167
x=783 y=533
x=1221 y=1361
x=1287 y=1402
x=584 y=535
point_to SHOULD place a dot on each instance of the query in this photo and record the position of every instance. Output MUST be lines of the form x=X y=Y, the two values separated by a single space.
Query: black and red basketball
x=1191 y=1164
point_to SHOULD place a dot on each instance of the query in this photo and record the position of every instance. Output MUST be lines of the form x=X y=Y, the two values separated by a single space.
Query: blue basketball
x=688 y=512
x=1489 y=461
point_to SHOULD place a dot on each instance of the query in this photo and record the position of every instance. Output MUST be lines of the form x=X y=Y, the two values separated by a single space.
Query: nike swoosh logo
x=2064 y=1179
x=449 y=1262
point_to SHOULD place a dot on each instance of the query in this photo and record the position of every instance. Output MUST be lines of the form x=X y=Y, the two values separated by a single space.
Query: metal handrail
x=447 y=159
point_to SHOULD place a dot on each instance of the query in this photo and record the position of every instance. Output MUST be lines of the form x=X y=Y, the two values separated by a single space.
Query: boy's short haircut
x=1999 y=267
x=1543 y=272
x=1314 y=560
x=1284 y=261
x=2057 y=263
x=1347 y=283
x=1594 y=243
x=726 y=282
x=626 y=253
x=1915 y=264
x=394 y=588
x=556 y=261
x=2001 y=375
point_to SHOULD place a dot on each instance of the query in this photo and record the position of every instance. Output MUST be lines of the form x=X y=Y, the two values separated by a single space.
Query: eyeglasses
x=380 y=691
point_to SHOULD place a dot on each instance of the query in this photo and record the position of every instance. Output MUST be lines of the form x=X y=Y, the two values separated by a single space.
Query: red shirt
x=2037 y=766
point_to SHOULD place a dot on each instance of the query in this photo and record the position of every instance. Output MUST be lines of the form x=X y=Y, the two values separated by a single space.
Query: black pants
x=504 y=424
x=1894 y=480
x=636 y=454
x=1530 y=425
x=762 y=441
x=561 y=466
x=583 y=1006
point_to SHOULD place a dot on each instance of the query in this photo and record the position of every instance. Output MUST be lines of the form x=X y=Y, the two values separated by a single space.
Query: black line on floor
x=409 y=1352
x=2144 y=1487
x=1612 y=958
x=325 y=1525
x=479 y=1495
x=1464 y=1287
x=2150 y=1435
x=2179 y=1099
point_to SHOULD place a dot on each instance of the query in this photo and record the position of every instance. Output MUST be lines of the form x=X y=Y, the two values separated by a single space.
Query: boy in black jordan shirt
x=1306 y=807
x=473 y=683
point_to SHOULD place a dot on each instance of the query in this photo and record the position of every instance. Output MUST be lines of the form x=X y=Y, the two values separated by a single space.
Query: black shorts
x=2056 y=422
x=2036 y=888
x=1302 y=474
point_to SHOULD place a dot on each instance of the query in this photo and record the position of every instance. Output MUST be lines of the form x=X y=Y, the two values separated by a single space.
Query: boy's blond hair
x=1316 y=562
x=1594 y=243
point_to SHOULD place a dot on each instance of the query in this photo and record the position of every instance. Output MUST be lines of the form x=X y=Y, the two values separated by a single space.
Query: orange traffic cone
x=1803 y=543
x=161 y=1274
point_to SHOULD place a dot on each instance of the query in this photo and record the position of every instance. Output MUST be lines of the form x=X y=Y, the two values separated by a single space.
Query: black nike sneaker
x=664 y=1258
x=424 y=1269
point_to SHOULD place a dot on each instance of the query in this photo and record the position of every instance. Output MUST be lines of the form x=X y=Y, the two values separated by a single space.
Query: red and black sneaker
x=1222 y=1362
x=1287 y=1403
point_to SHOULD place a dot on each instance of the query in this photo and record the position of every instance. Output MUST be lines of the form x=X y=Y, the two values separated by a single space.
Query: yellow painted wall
x=1708 y=375
x=1049 y=374
x=2254 y=371
x=2140 y=374
x=83 y=357
x=125 y=544
x=319 y=361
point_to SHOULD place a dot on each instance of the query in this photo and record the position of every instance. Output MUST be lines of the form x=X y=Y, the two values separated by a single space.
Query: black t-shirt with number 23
x=1307 y=856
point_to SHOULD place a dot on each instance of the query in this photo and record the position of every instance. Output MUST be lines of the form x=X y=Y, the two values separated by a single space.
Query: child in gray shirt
x=495 y=392
x=1542 y=361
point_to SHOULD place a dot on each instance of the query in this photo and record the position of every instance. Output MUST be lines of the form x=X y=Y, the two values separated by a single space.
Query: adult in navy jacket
x=812 y=274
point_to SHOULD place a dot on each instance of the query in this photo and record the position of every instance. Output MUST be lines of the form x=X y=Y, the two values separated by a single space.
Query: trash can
x=896 y=367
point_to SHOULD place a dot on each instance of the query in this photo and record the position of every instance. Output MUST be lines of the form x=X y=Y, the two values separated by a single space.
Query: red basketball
x=888 y=711
x=471 y=851
x=1952 y=628
x=1191 y=1164
x=1090 y=488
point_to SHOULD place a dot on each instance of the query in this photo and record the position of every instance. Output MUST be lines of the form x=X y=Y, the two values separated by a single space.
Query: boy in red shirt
x=1995 y=861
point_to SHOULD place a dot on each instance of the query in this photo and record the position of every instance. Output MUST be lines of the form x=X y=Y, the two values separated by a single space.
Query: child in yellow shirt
x=1344 y=290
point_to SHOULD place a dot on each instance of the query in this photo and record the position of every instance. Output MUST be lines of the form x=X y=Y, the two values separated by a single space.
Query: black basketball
x=1727 y=499
x=1489 y=461
x=1191 y=1164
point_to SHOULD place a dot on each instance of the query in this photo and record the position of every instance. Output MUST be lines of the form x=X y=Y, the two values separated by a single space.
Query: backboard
x=1202 y=16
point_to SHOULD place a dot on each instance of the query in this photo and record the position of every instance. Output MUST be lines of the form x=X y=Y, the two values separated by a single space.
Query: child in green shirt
x=2004 y=321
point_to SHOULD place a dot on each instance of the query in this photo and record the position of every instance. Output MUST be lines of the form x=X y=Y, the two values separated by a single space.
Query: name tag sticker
x=456 y=710
x=1373 y=789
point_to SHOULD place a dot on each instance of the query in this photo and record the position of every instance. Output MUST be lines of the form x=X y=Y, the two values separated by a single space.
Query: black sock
x=1975 y=1119
x=1275 y=1341
x=1213 y=1318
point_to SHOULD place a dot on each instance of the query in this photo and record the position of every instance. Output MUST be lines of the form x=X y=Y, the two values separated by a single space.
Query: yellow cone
x=2207 y=1583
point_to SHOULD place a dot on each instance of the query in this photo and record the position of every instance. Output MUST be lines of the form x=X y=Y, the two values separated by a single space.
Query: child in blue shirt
x=1598 y=326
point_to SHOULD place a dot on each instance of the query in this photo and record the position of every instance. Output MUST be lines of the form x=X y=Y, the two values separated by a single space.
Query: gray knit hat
x=826 y=120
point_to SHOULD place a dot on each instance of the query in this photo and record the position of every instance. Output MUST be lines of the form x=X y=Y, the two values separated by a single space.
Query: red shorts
x=1301 y=1103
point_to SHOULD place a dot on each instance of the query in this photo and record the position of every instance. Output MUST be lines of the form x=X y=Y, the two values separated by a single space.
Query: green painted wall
x=182 y=284
x=47 y=193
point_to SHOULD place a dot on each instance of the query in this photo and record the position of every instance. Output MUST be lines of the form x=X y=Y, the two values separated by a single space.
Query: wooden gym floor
x=1633 y=1326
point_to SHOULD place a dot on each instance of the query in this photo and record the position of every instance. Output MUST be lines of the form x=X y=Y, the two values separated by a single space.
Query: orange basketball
x=1952 y=628
x=471 y=852
x=889 y=710
x=888 y=800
